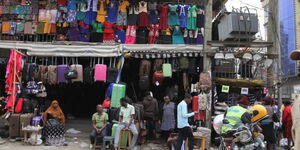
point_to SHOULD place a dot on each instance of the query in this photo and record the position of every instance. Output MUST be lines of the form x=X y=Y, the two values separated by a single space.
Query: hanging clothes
x=82 y=8
x=72 y=5
x=84 y=32
x=122 y=15
x=131 y=35
x=92 y=12
x=153 y=15
x=143 y=7
x=132 y=16
x=192 y=18
x=163 y=16
x=120 y=35
x=142 y=35
x=200 y=16
x=93 y=5
x=62 y=2
x=189 y=36
x=199 y=36
x=183 y=13
x=165 y=36
x=101 y=14
x=108 y=32
x=153 y=33
x=96 y=34
x=173 y=19
x=143 y=19
x=177 y=37
x=113 y=11
x=74 y=33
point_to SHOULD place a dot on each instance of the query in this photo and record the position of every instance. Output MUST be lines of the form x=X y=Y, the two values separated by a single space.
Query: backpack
x=144 y=83
x=184 y=63
x=31 y=88
x=158 y=64
x=145 y=68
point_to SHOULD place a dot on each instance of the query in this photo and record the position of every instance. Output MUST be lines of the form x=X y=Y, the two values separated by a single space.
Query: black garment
x=94 y=133
x=150 y=125
x=164 y=39
x=132 y=17
x=269 y=133
x=96 y=37
x=142 y=35
x=184 y=133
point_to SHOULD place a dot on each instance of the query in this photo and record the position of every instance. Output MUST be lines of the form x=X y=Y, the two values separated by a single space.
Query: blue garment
x=183 y=115
x=121 y=36
x=72 y=5
x=113 y=11
x=90 y=17
x=173 y=19
x=153 y=17
x=183 y=13
x=177 y=37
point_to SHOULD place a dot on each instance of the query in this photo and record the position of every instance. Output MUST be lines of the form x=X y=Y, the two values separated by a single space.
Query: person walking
x=287 y=123
x=151 y=112
x=268 y=124
x=168 y=118
x=185 y=130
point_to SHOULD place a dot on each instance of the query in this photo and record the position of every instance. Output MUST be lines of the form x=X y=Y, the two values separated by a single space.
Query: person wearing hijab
x=54 y=112
x=54 y=125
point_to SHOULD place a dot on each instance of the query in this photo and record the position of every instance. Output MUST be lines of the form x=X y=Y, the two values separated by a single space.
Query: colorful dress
x=177 y=37
x=143 y=14
x=173 y=19
x=120 y=35
x=101 y=12
x=153 y=34
x=92 y=12
x=122 y=16
x=192 y=18
x=200 y=16
x=131 y=34
x=165 y=36
x=96 y=34
x=163 y=21
x=108 y=32
x=81 y=9
x=183 y=13
x=153 y=16
x=113 y=11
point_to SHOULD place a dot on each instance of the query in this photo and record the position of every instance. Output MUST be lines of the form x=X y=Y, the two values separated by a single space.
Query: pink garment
x=131 y=35
x=153 y=34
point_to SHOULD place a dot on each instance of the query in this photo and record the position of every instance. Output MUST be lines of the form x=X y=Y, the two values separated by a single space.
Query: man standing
x=126 y=120
x=150 y=113
x=99 y=123
x=185 y=131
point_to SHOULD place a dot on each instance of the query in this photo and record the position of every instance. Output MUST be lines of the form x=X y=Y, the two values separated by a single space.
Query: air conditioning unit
x=238 y=26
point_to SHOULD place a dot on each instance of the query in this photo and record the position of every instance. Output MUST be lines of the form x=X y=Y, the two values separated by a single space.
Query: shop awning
x=64 y=50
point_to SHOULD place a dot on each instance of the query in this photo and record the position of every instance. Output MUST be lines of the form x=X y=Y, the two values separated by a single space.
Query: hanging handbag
x=71 y=74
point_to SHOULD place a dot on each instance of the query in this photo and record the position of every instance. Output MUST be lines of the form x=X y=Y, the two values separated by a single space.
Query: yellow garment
x=47 y=28
x=123 y=6
x=6 y=27
x=167 y=31
x=101 y=12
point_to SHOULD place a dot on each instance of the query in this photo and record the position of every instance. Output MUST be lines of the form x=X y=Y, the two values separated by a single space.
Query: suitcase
x=167 y=70
x=79 y=70
x=114 y=129
x=88 y=76
x=25 y=120
x=100 y=72
x=124 y=137
x=118 y=92
x=112 y=74
x=61 y=69
x=52 y=74
x=14 y=125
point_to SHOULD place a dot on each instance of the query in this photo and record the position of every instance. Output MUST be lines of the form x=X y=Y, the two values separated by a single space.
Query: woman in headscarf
x=54 y=129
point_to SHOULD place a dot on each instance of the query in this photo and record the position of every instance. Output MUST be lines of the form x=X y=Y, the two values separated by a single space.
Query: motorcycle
x=242 y=137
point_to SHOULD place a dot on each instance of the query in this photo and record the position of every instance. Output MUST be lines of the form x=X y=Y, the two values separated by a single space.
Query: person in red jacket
x=287 y=122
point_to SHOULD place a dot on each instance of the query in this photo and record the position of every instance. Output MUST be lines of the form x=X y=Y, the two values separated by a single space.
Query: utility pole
x=274 y=36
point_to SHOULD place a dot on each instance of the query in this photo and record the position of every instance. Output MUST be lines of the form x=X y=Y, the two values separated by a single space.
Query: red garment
x=108 y=32
x=83 y=25
x=106 y=104
x=131 y=35
x=153 y=34
x=143 y=19
x=195 y=107
x=19 y=105
x=163 y=21
x=287 y=122
x=62 y=2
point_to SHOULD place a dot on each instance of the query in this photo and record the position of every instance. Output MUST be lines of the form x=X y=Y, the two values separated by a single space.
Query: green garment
x=97 y=27
x=192 y=18
x=100 y=119
x=233 y=115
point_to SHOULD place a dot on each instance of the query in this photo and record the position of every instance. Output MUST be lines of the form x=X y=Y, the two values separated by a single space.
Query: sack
x=52 y=122
x=158 y=78
x=158 y=64
x=31 y=88
x=184 y=63
x=100 y=72
x=112 y=74
x=52 y=75
x=144 y=83
x=145 y=68
x=109 y=90
x=167 y=70
x=19 y=106
x=61 y=69
x=88 y=75
x=78 y=69
x=118 y=92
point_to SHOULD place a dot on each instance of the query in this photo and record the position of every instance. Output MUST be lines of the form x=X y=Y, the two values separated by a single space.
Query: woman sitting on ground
x=54 y=125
